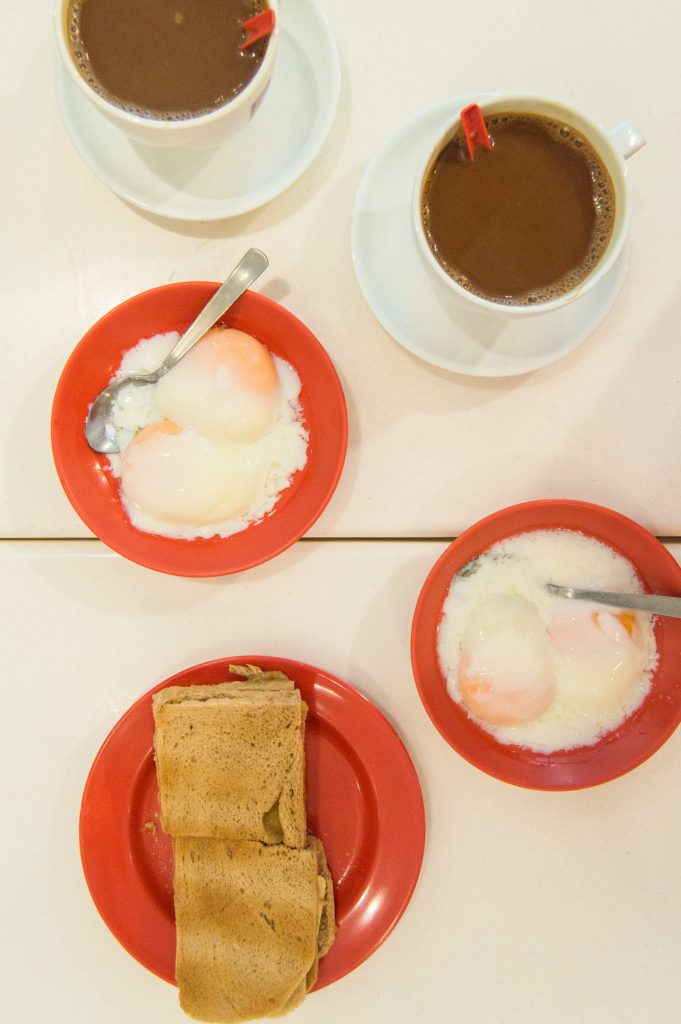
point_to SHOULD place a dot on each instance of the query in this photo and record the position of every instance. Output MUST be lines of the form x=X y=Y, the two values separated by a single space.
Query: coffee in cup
x=166 y=59
x=168 y=73
x=526 y=222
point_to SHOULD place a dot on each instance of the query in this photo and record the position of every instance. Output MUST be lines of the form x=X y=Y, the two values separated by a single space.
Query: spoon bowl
x=99 y=428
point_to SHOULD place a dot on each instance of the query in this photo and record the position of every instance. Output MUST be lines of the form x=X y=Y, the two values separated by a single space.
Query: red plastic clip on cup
x=475 y=129
x=257 y=27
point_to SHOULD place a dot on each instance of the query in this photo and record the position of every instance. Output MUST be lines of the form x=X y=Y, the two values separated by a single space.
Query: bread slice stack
x=253 y=894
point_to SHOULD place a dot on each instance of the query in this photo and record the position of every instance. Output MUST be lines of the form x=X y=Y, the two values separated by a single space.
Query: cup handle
x=627 y=138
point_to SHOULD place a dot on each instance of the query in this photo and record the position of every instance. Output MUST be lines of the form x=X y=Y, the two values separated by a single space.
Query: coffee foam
x=603 y=198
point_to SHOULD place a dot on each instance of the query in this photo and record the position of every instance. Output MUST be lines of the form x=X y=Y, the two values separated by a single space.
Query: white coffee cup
x=203 y=131
x=613 y=147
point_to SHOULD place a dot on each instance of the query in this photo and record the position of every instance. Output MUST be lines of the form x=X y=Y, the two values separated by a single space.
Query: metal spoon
x=99 y=430
x=656 y=604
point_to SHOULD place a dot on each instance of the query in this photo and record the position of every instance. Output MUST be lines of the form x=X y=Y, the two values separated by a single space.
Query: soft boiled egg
x=226 y=387
x=505 y=674
x=602 y=656
x=536 y=670
x=177 y=475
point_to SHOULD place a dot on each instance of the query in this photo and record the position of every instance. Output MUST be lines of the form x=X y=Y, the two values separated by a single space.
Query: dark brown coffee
x=526 y=221
x=169 y=59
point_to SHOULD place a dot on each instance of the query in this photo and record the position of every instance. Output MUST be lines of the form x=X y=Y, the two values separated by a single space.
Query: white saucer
x=415 y=308
x=259 y=163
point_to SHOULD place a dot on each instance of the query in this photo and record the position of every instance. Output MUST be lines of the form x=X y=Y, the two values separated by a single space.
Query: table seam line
x=363 y=539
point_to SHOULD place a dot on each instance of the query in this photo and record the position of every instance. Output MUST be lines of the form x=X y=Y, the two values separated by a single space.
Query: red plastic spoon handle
x=257 y=27
x=475 y=129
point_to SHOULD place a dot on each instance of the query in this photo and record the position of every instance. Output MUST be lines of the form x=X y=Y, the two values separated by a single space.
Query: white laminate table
x=531 y=907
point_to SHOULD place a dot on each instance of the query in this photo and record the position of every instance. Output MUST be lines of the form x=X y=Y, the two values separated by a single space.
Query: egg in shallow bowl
x=209 y=449
x=558 y=674
x=223 y=466
x=537 y=690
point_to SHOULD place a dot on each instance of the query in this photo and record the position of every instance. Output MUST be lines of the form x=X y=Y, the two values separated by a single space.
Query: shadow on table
x=282 y=207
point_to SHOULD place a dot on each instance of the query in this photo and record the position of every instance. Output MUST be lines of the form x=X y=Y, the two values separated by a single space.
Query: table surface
x=530 y=907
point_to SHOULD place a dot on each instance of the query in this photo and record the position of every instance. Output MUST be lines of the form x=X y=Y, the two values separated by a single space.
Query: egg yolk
x=628 y=620
x=226 y=387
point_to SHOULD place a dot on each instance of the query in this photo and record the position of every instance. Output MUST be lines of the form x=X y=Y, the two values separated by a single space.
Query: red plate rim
x=618 y=751
x=84 y=473
x=117 y=889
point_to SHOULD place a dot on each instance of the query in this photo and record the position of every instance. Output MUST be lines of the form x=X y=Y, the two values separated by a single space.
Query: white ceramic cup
x=203 y=131
x=613 y=147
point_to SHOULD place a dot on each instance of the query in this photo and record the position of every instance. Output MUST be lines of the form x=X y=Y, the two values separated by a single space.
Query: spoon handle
x=249 y=267
x=656 y=604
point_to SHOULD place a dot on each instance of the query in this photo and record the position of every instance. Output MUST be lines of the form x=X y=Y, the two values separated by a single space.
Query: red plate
x=363 y=797
x=94 y=493
x=618 y=751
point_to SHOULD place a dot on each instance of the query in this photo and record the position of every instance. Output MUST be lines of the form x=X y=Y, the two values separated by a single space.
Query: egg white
x=276 y=456
x=208 y=392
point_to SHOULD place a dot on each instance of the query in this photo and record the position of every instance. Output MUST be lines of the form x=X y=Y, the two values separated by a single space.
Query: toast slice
x=252 y=681
x=247 y=927
x=231 y=764
x=327 y=919
x=326 y=928
x=294 y=1001
x=255 y=676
